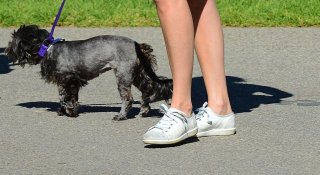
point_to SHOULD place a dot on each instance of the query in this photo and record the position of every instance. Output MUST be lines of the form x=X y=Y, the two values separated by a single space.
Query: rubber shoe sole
x=217 y=132
x=186 y=135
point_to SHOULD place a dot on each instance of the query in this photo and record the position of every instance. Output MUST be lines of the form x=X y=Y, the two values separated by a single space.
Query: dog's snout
x=6 y=51
x=9 y=53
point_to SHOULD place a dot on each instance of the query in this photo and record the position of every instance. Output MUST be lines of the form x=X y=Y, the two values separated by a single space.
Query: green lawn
x=270 y=12
x=114 y=13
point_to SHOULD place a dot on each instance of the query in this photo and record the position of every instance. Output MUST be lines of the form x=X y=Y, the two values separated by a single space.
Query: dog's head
x=25 y=44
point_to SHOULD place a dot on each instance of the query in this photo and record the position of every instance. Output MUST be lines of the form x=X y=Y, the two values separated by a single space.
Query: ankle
x=184 y=107
x=220 y=108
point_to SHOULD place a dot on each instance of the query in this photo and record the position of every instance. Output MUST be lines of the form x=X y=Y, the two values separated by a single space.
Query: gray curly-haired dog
x=70 y=64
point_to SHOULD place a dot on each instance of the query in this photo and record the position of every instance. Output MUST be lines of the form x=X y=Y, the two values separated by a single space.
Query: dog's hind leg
x=124 y=82
x=145 y=107
x=69 y=95
x=127 y=101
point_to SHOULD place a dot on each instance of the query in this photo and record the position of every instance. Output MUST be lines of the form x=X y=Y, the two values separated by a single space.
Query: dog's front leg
x=68 y=95
x=127 y=101
x=62 y=94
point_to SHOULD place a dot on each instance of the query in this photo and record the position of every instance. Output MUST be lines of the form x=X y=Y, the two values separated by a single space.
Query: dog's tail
x=153 y=87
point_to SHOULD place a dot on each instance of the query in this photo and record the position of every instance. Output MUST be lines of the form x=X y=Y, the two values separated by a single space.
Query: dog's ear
x=31 y=33
x=43 y=34
x=25 y=45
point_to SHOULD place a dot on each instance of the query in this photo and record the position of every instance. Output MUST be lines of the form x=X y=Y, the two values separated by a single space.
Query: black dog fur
x=71 y=64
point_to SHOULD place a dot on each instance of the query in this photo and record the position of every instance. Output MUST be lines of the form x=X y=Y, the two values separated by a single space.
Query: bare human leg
x=177 y=26
x=210 y=50
x=187 y=25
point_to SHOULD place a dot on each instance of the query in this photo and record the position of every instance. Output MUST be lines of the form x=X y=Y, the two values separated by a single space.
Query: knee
x=164 y=6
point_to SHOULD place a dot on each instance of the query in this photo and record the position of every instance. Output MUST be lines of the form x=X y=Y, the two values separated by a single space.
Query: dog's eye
x=33 y=35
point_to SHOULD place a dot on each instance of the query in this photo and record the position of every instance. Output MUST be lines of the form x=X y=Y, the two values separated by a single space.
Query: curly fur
x=71 y=64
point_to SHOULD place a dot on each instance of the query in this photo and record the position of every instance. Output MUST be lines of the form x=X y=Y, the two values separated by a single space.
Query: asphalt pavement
x=273 y=80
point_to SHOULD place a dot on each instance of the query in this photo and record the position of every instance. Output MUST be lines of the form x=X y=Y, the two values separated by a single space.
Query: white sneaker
x=209 y=123
x=173 y=127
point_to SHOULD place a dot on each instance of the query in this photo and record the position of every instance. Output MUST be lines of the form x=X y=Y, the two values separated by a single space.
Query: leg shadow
x=244 y=97
x=4 y=63
x=91 y=108
x=53 y=106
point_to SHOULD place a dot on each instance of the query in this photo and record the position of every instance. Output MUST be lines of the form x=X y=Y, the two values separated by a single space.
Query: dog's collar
x=44 y=48
x=55 y=41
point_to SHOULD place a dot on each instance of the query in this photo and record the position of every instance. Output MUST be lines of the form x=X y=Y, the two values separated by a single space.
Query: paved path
x=273 y=79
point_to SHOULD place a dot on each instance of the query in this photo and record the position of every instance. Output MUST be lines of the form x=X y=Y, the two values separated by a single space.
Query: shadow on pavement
x=186 y=141
x=4 y=63
x=91 y=108
x=244 y=97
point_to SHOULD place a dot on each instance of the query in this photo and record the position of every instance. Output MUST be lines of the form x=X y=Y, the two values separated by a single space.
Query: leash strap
x=50 y=38
x=44 y=47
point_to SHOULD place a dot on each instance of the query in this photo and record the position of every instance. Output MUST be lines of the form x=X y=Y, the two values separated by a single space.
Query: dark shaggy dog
x=70 y=64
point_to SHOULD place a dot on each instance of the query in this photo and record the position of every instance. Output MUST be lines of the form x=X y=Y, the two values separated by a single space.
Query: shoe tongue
x=210 y=112
x=177 y=111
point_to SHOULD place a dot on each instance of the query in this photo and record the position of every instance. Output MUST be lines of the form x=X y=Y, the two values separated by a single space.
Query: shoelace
x=201 y=111
x=169 y=119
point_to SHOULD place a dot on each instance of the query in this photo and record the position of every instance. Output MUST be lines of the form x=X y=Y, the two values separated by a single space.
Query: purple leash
x=44 y=47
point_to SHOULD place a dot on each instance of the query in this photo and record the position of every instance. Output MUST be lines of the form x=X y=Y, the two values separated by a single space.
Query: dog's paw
x=69 y=113
x=144 y=111
x=144 y=114
x=72 y=115
x=61 y=111
x=119 y=117
x=168 y=101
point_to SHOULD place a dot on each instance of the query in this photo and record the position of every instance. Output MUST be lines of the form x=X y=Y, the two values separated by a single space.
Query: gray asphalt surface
x=273 y=80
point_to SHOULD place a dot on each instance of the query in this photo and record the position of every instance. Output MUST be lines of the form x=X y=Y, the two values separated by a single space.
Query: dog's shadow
x=91 y=108
x=244 y=97
x=5 y=63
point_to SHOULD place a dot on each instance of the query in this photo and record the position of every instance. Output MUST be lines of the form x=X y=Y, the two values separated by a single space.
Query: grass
x=120 y=13
x=79 y=12
x=270 y=13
